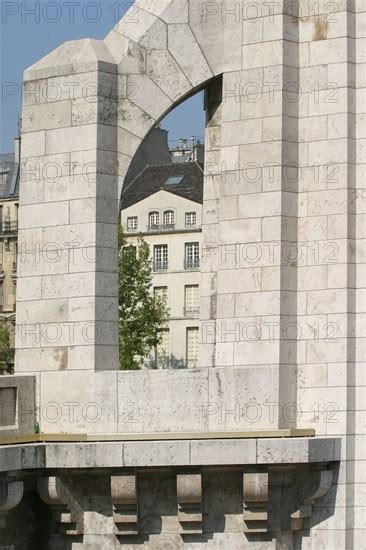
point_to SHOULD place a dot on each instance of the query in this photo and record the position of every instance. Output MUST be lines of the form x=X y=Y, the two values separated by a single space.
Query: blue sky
x=31 y=29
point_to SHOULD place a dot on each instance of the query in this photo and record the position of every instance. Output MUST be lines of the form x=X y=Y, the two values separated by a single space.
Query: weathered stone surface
x=283 y=237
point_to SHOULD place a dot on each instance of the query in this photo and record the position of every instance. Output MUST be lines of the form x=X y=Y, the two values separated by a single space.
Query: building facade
x=164 y=205
x=9 y=204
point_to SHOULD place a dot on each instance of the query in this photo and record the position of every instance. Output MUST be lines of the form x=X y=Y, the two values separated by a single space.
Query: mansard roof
x=166 y=177
x=10 y=170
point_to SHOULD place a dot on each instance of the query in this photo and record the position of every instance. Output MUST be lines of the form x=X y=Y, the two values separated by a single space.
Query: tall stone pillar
x=250 y=208
x=331 y=227
x=67 y=269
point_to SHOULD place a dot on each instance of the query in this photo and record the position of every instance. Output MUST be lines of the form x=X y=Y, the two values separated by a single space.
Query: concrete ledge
x=142 y=454
x=157 y=436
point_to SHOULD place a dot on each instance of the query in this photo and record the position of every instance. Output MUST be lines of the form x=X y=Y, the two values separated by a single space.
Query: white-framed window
x=163 y=349
x=191 y=301
x=154 y=219
x=192 y=346
x=169 y=217
x=160 y=257
x=192 y=256
x=161 y=293
x=132 y=223
x=191 y=219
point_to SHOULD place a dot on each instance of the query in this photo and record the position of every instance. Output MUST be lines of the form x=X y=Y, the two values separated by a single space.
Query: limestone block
x=33 y=144
x=44 y=168
x=84 y=309
x=327 y=301
x=80 y=235
x=206 y=22
x=144 y=28
x=175 y=400
x=46 y=116
x=212 y=453
x=55 y=215
x=164 y=70
x=313 y=128
x=257 y=303
x=147 y=95
x=239 y=281
x=161 y=453
x=256 y=353
x=51 y=261
x=192 y=60
x=72 y=57
x=232 y=132
x=10 y=458
x=262 y=54
x=266 y=204
x=74 y=285
x=175 y=11
x=53 y=311
x=277 y=451
x=328 y=51
x=237 y=401
x=225 y=306
x=311 y=76
x=133 y=119
x=253 y=31
x=100 y=210
x=29 y=289
x=325 y=351
x=77 y=138
x=91 y=407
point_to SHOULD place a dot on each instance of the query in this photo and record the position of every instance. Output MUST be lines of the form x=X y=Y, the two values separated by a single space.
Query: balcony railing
x=7 y=227
x=192 y=312
x=192 y=264
x=161 y=228
x=160 y=266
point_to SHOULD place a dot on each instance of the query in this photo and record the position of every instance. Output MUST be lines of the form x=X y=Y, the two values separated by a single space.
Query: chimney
x=17 y=149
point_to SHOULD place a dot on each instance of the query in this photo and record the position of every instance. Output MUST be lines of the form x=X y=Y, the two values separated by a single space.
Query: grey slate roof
x=153 y=179
x=10 y=168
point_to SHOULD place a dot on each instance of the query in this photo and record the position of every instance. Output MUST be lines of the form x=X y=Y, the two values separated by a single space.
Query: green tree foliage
x=6 y=353
x=141 y=314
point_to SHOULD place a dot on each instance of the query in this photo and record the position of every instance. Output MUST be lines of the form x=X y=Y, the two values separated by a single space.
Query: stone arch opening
x=171 y=50
x=161 y=201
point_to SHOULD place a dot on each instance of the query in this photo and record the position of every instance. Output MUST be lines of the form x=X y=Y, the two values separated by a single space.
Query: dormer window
x=154 y=219
x=132 y=223
x=174 y=180
x=169 y=218
x=191 y=219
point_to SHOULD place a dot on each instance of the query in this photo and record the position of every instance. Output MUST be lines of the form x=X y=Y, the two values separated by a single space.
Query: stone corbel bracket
x=189 y=499
x=255 y=500
x=11 y=493
x=49 y=491
x=125 y=505
x=320 y=489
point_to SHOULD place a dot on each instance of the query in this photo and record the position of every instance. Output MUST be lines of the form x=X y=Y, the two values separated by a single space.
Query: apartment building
x=164 y=204
x=9 y=202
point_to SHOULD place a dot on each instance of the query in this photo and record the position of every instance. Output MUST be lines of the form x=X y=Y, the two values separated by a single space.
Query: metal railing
x=160 y=266
x=191 y=264
x=8 y=226
x=161 y=228
x=192 y=312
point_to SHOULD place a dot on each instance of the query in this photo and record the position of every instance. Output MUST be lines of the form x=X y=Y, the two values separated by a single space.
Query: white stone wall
x=290 y=108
